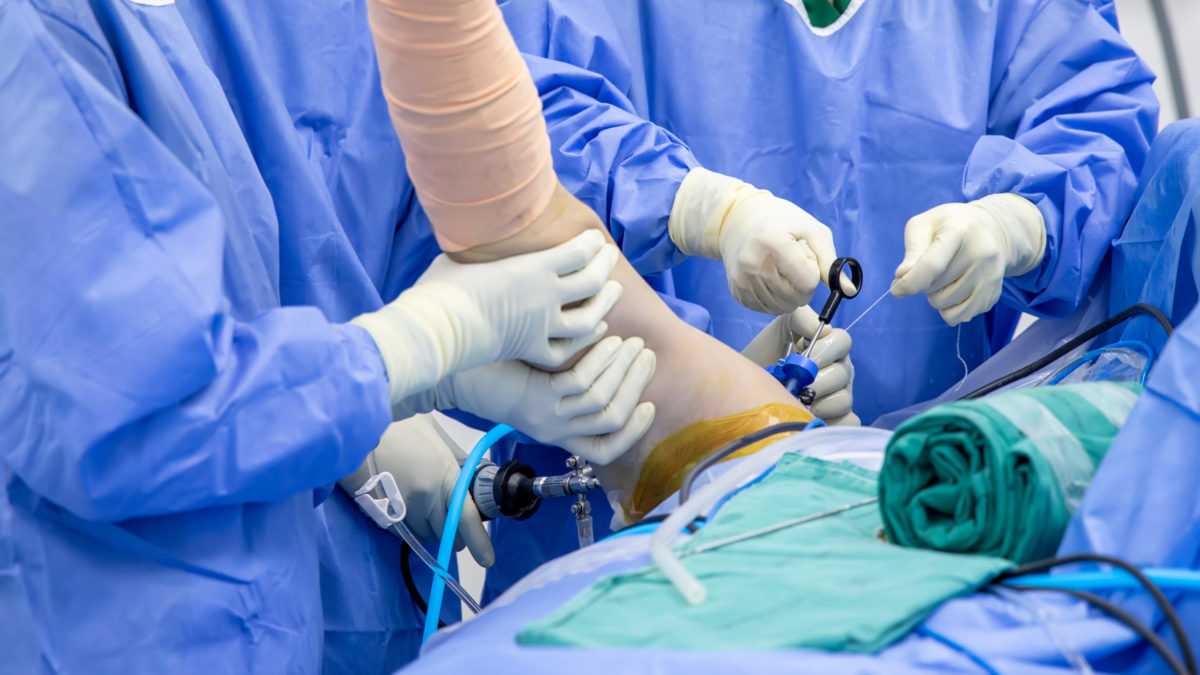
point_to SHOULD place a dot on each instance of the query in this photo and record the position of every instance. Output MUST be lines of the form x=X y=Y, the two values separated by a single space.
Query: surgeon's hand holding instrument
x=798 y=371
x=833 y=389
x=381 y=500
x=423 y=463
x=960 y=254
x=775 y=253
x=510 y=481
x=459 y=316
x=417 y=463
x=592 y=407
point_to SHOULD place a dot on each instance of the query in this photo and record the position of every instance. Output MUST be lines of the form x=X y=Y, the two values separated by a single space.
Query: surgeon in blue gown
x=863 y=114
x=197 y=197
x=155 y=120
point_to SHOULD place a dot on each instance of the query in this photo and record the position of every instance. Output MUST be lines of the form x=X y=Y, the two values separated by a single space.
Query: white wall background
x=1139 y=28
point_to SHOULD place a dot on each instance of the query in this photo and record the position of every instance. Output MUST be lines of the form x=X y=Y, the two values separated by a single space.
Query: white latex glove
x=959 y=254
x=424 y=461
x=775 y=253
x=459 y=316
x=834 y=386
x=591 y=410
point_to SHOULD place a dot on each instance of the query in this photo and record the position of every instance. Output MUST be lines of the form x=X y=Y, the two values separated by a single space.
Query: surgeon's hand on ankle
x=775 y=253
x=591 y=410
x=459 y=316
x=425 y=464
x=959 y=254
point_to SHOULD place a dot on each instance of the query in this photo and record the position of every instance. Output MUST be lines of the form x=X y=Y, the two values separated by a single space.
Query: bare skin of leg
x=697 y=378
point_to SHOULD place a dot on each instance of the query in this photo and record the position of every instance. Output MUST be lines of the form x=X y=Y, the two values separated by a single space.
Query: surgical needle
x=777 y=526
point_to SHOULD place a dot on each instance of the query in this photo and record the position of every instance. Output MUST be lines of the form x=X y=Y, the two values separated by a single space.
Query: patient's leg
x=469 y=119
x=698 y=379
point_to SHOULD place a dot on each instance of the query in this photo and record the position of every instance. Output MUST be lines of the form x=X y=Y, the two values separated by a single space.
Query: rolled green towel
x=999 y=476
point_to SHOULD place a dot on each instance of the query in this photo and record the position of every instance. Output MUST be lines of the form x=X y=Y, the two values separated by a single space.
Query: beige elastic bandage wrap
x=468 y=117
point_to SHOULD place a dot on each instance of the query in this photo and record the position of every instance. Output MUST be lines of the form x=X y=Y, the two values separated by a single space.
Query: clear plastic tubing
x=661 y=544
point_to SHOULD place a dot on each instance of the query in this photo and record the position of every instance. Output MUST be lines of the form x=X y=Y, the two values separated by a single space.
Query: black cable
x=1124 y=617
x=1079 y=340
x=646 y=521
x=406 y=572
x=705 y=463
x=1171 y=56
x=1152 y=588
x=650 y=520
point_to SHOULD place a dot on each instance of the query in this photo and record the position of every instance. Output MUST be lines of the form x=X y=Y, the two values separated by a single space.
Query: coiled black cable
x=1078 y=341
x=1160 y=598
x=1124 y=617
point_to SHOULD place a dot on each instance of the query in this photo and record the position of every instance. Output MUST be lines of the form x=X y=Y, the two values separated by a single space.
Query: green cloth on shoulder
x=823 y=13
x=828 y=584
x=1000 y=475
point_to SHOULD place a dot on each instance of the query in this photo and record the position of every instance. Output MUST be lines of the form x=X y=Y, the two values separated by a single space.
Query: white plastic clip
x=387 y=510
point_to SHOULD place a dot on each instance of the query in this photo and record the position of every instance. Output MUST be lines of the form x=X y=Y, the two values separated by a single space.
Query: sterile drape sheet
x=828 y=584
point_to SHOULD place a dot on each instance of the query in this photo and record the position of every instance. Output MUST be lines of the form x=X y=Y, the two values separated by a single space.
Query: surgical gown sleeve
x=127 y=386
x=1070 y=122
x=626 y=168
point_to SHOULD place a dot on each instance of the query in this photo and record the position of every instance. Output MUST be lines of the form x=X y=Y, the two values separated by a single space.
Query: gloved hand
x=424 y=461
x=834 y=385
x=591 y=410
x=459 y=316
x=774 y=252
x=959 y=254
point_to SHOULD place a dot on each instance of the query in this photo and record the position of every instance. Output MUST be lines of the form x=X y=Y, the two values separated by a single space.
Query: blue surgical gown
x=1157 y=252
x=196 y=196
x=901 y=106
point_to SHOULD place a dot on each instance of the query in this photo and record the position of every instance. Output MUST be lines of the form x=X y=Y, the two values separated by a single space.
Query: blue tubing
x=1166 y=578
x=437 y=587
